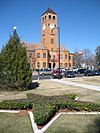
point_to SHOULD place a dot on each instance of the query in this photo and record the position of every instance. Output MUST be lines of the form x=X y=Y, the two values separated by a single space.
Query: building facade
x=46 y=54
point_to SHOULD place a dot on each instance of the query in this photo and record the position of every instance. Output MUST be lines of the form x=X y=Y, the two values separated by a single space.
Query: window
x=38 y=55
x=45 y=17
x=65 y=64
x=38 y=64
x=51 y=49
x=49 y=16
x=48 y=24
x=51 y=56
x=69 y=57
x=52 y=41
x=44 y=64
x=66 y=56
x=44 y=55
x=61 y=56
x=69 y=64
x=53 y=17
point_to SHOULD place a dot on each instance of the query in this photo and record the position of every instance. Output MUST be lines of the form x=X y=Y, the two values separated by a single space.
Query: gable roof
x=49 y=11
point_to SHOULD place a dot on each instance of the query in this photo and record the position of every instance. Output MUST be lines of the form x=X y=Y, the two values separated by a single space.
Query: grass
x=92 y=80
x=50 y=88
x=14 y=123
x=76 y=124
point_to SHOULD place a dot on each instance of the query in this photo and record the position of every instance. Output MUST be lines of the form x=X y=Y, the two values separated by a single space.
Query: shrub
x=45 y=107
x=16 y=104
x=46 y=112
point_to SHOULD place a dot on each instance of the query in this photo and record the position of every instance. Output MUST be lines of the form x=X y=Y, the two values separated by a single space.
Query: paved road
x=35 y=76
x=92 y=87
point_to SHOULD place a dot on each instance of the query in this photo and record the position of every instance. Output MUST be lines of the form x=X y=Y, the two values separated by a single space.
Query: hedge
x=16 y=104
x=44 y=107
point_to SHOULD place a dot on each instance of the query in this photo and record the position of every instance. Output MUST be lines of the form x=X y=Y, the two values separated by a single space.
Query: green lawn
x=76 y=124
x=50 y=88
x=14 y=123
x=92 y=80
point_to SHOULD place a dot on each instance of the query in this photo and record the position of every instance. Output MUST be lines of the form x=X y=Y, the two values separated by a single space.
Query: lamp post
x=58 y=28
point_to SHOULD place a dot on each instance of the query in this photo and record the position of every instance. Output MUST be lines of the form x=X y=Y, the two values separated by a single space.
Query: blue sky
x=79 y=21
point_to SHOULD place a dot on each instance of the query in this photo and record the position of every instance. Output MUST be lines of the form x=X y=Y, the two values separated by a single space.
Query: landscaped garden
x=45 y=101
x=45 y=107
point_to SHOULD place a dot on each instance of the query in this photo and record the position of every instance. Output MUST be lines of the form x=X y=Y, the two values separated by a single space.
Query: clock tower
x=49 y=31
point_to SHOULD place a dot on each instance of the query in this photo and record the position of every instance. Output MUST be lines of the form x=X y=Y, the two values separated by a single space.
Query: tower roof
x=49 y=11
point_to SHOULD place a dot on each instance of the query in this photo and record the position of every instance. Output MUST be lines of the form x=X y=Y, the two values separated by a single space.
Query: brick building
x=46 y=54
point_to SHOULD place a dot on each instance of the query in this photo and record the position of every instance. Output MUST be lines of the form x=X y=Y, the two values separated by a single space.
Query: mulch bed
x=24 y=112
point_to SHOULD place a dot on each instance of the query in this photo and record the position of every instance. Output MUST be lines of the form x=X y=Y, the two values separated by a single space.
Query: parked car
x=89 y=73
x=44 y=72
x=81 y=70
x=96 y=72
x=69 y=74
x=56 y=74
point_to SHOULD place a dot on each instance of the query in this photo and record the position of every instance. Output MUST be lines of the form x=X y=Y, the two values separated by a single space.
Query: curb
x=35 y=128
x=9 y=111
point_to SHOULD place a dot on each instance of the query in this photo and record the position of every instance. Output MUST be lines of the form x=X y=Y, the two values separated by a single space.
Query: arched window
x=52 y=41
x=45 y=17
x=65 y=64
x=51 y=49
x=49 y=16
x=65 y=56
x=54 y=17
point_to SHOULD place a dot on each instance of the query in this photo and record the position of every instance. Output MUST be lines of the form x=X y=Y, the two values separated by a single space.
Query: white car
x=45 y=72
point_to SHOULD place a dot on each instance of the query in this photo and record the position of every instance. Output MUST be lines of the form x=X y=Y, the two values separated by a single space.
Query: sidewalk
x=92 y=87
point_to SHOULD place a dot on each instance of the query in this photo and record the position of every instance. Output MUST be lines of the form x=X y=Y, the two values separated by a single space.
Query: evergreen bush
x=14 y=64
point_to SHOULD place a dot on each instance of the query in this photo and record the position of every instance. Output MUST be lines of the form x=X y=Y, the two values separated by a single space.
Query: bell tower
x=49 y=31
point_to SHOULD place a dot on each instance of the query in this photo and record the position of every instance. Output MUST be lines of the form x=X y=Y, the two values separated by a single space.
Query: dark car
x=89 y=73
x=69 y=74
x=96 y=73
x=56 y=74
x=81 y=70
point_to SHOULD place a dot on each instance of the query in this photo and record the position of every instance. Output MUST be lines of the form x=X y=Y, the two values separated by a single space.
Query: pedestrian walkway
x=92 y=87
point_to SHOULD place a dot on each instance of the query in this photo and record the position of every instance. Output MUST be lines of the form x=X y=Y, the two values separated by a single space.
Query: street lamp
x=58 y=28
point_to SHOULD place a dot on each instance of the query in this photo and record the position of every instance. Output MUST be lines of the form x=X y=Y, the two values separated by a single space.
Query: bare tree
x=78 y=55
x=88 y=58
x=97 y=57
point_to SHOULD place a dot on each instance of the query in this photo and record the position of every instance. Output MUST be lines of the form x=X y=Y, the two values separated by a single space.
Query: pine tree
x=16 y=68
x=1 y=70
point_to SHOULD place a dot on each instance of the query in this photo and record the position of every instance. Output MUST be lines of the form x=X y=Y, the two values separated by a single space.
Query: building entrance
x=50 y=65
x=54 y=65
